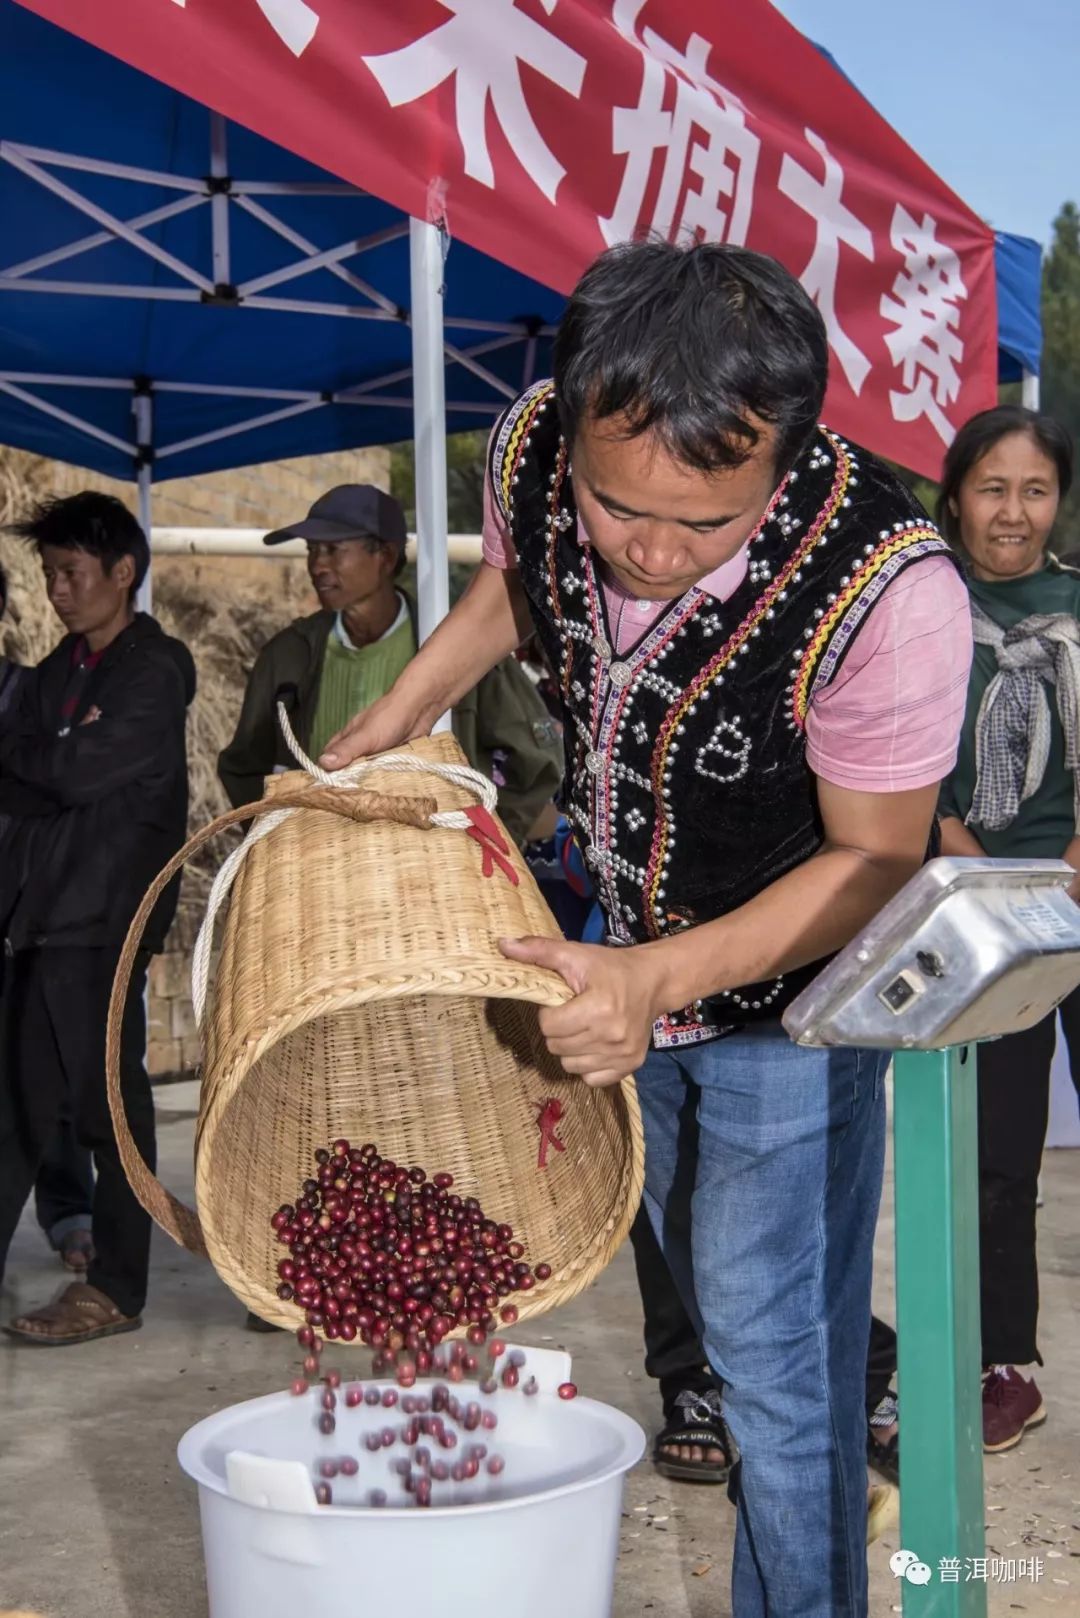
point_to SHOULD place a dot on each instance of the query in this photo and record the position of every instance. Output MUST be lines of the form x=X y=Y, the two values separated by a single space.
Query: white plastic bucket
x=540 y=1539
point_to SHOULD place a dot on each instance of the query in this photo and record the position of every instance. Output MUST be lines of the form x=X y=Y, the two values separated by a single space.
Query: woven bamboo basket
x=360 y=992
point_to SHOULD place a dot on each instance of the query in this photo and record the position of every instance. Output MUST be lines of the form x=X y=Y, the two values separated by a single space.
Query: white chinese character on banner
x=483 y=47
x=923 y=307
x=1003 y=1569
x=293 y=21
x=976 y=1568
x=836 y=223
x=1031 y=1568
x=949 y=1569
x=703 y=136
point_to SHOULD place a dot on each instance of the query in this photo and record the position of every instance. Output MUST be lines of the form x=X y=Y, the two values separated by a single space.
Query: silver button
x=594 y=763
x=620 y=675
x=602 y=647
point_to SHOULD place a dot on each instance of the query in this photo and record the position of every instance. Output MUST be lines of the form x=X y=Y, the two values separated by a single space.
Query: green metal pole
x=937 y=1288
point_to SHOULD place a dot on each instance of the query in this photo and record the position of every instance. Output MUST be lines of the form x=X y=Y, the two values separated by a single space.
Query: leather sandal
x=696 y=1421
x=80 y=1314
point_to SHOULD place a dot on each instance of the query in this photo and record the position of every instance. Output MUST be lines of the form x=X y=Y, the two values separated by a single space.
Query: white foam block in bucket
x=540 y=1539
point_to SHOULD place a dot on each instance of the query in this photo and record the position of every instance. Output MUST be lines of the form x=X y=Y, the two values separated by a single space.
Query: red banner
x=544 y=129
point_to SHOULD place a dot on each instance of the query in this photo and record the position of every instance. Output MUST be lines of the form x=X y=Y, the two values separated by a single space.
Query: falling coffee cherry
x=567 y=1390
x=383 y=1254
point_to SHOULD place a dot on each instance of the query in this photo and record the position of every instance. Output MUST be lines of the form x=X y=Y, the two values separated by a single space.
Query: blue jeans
x=763 y=1169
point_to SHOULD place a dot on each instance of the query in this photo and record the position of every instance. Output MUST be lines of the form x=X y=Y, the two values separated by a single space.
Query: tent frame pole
x=142 y=407
x=219 y=201
x=429 y=426
x=1029 y=389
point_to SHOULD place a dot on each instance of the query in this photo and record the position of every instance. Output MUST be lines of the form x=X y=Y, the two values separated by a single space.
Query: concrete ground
x=96 y=1520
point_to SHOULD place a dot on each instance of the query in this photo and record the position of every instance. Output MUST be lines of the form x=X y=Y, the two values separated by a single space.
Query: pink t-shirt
x=890 y=720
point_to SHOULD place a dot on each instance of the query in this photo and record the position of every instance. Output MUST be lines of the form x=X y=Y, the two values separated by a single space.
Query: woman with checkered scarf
x=1015 y=793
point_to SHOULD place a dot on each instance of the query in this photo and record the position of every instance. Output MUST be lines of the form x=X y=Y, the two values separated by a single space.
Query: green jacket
x=503 y=715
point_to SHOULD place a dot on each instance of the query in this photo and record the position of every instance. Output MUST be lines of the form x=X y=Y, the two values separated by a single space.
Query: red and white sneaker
x=1011 y=1404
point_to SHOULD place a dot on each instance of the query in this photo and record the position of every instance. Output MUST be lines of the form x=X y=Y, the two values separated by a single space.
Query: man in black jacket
x=64 y=1189
x=93 y=796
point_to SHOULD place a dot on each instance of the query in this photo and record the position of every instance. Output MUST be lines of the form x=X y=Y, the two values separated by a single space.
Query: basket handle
x=175 y=1218
x=457 y=775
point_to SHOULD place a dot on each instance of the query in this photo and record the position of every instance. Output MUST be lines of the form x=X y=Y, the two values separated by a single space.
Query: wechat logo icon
x=906 y=1565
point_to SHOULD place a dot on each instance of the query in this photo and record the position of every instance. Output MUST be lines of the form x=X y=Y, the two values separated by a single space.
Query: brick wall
x=172 y=1043
x=247 y=497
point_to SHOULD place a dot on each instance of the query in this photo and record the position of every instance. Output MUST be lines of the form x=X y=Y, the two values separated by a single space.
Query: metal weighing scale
x=968 y=950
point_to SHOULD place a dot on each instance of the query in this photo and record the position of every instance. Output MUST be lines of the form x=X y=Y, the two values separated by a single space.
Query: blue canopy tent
x=1018 y=261
x=220 y=301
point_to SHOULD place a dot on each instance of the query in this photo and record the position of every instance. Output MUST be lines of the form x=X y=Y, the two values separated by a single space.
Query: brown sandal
x=78 y=1315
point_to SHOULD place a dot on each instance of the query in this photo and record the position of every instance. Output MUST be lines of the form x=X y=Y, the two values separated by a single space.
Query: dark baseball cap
x=351 y=511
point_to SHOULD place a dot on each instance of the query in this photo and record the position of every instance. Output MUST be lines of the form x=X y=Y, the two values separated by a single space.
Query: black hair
x=977 y=438
x=691 y=342
x=99 y=524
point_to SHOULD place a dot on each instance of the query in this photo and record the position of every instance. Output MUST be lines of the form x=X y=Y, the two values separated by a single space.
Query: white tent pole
x=101 y=216
x=10 y=150
x=1030 y=389
x=102 y=238
x=219 y=201
x=143 y=409
x=429 y=424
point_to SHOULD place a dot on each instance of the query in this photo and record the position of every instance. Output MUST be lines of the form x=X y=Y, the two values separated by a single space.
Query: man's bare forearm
x=811 y=912
x=958 y=841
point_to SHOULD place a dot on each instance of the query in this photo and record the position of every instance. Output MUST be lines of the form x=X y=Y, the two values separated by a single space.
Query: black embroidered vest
x=686 y=777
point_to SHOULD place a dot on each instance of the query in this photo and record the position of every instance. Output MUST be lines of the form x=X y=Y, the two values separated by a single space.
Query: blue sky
x=984 y=90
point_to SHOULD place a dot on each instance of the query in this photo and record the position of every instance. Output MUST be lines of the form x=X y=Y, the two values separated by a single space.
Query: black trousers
x=673 y=1354
x=64 y=1188
x=53 y=1012
x=1014 y=1105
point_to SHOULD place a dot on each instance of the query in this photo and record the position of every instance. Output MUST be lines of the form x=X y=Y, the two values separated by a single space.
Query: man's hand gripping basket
x=360 y=992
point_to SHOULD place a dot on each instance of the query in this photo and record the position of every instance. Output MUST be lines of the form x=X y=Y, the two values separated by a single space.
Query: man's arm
x=489 y=622
x=874 y=842
x=249 y=758
x=957 y=840
x=120 y=747
x=512 y=720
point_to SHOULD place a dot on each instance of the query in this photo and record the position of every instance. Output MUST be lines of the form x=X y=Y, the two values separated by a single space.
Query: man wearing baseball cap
x=334 y=663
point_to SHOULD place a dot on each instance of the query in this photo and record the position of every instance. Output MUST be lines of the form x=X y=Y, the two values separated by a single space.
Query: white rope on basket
x=459 y=775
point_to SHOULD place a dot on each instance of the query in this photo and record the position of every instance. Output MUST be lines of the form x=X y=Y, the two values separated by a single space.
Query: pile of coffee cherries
x=381 y=1253
x=384 y=1254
